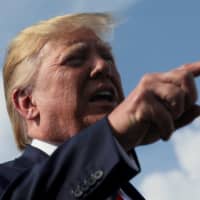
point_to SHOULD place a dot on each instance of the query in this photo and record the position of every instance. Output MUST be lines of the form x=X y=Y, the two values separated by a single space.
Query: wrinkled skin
x=72 y=73
x=161 y=103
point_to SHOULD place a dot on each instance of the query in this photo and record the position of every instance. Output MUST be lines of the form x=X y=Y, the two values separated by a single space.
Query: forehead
x=81 y=34
x=82 y=37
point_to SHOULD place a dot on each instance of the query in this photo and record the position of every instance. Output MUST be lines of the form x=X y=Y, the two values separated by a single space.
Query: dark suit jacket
x=91 y=165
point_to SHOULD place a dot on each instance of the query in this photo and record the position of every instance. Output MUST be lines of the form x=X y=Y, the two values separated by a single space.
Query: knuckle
x=186 y=76
x=148 y=78
x=141 y=96
x=144 y=94
x=185 y=66
x=188 y=85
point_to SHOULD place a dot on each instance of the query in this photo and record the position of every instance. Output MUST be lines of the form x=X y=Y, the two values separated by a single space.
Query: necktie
x=119 y=197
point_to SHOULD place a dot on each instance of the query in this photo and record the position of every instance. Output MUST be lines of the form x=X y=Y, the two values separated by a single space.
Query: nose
x=101 y=68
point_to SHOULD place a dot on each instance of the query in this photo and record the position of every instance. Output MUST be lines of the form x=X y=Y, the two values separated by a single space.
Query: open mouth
x=103 y=95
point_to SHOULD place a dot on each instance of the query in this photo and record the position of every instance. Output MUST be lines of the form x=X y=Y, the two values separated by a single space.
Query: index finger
x=193 y=68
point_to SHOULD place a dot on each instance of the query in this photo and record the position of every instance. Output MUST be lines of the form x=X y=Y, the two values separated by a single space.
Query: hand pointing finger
x=193 y=68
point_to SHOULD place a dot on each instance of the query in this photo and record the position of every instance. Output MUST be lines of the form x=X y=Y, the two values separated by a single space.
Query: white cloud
x=182 y=183
x=187 y=147
x=8 y=148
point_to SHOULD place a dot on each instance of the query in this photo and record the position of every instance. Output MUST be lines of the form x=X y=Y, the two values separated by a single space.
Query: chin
x=89 y=120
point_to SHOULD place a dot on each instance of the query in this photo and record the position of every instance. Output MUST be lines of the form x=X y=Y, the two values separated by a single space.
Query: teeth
x=105 y=93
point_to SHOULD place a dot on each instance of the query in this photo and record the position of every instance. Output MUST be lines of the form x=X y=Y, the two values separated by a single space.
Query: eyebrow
x=100 y=44
x=78 y=45
x=75 y=45
x=69 y=49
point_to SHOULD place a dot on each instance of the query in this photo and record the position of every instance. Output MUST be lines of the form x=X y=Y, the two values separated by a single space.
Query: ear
x=24 y=104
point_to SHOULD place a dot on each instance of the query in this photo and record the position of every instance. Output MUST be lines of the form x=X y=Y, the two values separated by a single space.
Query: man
x=66 y=105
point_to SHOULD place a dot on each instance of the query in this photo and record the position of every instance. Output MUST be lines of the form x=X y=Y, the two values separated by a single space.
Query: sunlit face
x=77 y=85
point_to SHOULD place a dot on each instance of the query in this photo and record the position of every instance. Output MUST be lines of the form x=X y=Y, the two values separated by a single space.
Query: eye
x=108 y=57
x=74 y=60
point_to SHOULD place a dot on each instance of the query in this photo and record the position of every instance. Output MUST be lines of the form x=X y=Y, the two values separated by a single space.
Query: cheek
x=67 y=93
x=72 y=87
x=53 y=90
x=75 y=82
x=62 y=91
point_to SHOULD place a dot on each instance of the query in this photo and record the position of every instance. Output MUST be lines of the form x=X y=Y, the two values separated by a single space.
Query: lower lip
x=104 y=103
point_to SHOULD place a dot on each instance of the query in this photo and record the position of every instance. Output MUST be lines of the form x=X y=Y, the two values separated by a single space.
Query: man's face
x=77 y=84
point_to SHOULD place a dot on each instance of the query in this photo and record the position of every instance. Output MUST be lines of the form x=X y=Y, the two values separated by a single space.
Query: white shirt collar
x=44 y=146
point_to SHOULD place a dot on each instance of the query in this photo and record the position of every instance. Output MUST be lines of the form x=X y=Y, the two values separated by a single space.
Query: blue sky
x=154 y=36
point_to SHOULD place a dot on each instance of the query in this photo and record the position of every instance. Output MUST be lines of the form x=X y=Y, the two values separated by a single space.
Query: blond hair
x=21 y=62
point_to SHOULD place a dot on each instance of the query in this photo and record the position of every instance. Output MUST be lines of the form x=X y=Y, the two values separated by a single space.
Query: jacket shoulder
x=8 y=172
